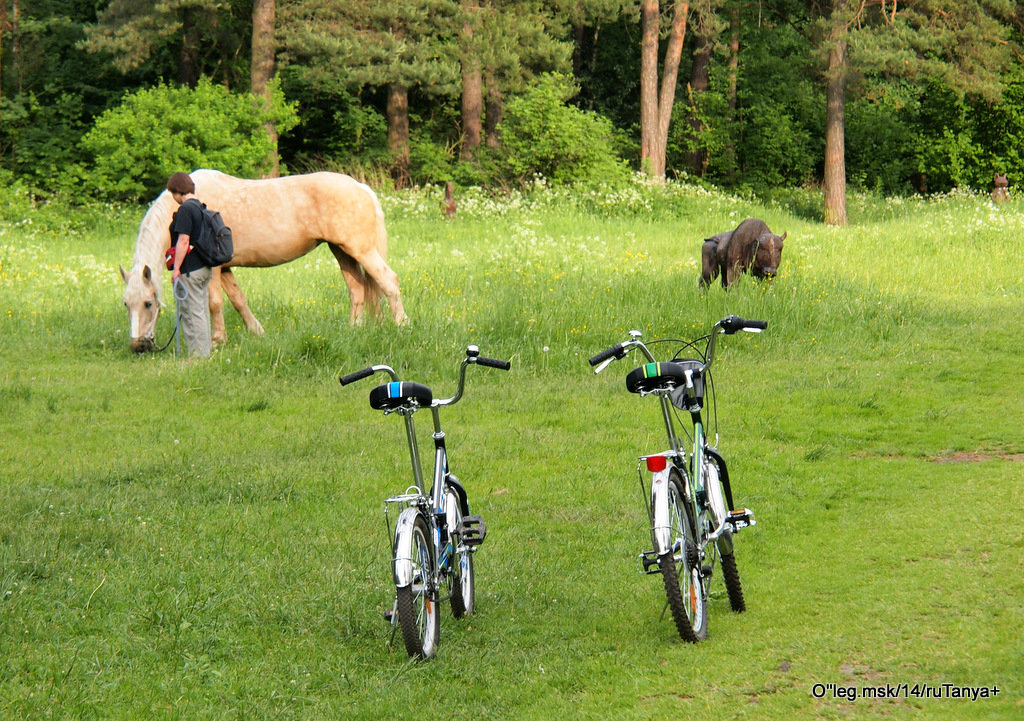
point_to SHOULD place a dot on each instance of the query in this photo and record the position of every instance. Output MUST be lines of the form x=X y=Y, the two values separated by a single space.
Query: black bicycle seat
x=392 y=396
x=663 y=376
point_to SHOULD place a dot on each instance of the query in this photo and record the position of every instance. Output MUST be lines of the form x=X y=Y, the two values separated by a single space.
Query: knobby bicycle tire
x=417 y=603
x=461 y=579
x=684 y=585
x=731 y=574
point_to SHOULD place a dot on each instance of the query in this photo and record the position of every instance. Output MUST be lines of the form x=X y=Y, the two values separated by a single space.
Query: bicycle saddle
x=665 y=376
x=392 y=396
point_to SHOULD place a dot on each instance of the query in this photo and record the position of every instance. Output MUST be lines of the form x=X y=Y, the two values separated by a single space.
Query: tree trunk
x=3 y=31
x=263 y=12
x=835 y=122
x=700 y=76
x=188 y=68
x=14 y=29
x=734 y=67
x=655 y=105
x=472 y=90
x=398 y=133
x=493 y=111
x=649 y=21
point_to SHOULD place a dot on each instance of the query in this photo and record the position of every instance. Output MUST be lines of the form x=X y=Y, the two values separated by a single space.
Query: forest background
x=895 y=98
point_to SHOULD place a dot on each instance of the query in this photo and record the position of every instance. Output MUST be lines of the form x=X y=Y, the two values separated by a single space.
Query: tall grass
x=205 y=540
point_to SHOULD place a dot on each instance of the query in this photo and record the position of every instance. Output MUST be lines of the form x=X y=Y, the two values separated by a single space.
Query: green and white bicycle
x=689 y=501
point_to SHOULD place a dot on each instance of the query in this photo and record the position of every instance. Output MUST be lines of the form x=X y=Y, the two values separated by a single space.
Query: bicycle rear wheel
x=417 y=603
x=681 y=568
x=461 y=580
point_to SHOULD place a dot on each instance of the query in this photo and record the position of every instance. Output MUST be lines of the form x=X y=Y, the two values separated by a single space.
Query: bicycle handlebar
x=731 y=324
x=493 y=363
x=472 y=357
x=357 y=376
x=616 y=350
x=728 y=325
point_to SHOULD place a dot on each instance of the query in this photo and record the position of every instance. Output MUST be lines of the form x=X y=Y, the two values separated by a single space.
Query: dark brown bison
x=750 y=247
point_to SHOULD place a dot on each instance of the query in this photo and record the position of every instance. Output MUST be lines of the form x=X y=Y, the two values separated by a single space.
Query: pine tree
x=399 y=45
x=963 y=43
x=504 y=45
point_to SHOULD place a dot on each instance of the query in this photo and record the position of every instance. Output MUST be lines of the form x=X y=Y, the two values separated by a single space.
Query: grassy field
x=205 y=540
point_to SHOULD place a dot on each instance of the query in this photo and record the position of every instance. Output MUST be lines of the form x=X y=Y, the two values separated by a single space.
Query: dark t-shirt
x=188 y=219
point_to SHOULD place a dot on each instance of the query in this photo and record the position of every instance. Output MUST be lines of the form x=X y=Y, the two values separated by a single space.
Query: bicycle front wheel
x=681 y=568
x=731 y=574
x=417 y=602
x=461 y=581
x=724 y=549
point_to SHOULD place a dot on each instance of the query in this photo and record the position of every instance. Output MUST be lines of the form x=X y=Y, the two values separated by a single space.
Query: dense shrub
x=542 y=135
x=158 y=131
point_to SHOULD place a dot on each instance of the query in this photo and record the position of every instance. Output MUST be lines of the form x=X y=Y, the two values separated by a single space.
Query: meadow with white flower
x=206 y=539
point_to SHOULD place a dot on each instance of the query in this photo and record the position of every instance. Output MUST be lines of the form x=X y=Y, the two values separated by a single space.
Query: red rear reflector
x=656 y=463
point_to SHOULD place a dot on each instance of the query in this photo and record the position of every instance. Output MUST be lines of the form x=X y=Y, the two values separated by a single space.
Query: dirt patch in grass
x=978 y=457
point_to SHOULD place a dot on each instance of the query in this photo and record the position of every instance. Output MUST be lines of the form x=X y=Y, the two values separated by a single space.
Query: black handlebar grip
x=358 y=375
x=492 y=363
x=606 y=354
x=733 y=323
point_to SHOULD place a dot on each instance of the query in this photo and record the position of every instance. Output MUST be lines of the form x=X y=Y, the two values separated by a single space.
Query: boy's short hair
x=181 y=183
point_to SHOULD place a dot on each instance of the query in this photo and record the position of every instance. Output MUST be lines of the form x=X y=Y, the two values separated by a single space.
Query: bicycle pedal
x=390 y=616
x=472 y=531
x=741 y=518
x=706 y=571
x=649 y=563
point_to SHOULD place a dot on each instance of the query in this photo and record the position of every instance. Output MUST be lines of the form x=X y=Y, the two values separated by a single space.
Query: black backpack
x=214 y=243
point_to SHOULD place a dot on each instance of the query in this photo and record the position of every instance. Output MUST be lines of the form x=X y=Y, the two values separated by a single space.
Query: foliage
x=542 y=135
x=337 y=124
x=961 y=142
x=158 y=131
x=923 y=97
x=50 y=90
x=182 y=39
x=407 y=42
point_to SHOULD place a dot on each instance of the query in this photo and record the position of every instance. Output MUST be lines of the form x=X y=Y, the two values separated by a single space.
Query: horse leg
x=234 y=293
x=356 y=282
x=387 y=280
x=217 y=333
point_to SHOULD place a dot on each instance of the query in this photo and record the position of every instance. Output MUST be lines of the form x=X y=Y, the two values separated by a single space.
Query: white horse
x=272 y=222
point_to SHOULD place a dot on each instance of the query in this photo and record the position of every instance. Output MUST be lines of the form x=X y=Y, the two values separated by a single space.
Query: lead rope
x=175 y=335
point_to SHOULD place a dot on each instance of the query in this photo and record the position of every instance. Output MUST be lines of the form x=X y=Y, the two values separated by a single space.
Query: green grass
x=206 y=540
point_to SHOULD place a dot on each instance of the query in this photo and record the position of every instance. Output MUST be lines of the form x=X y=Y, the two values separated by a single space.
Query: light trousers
x=195 y=311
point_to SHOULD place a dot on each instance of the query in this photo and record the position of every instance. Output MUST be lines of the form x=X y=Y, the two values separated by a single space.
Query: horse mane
x=154 y=238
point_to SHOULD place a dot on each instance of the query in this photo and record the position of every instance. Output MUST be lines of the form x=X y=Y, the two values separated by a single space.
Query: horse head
x=143 y=304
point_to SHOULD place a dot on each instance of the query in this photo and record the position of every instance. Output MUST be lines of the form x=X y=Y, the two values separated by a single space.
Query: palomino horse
x=272 y=222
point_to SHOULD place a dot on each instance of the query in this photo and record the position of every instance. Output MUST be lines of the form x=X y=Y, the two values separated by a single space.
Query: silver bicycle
x=435 y=536
x=690 y=498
